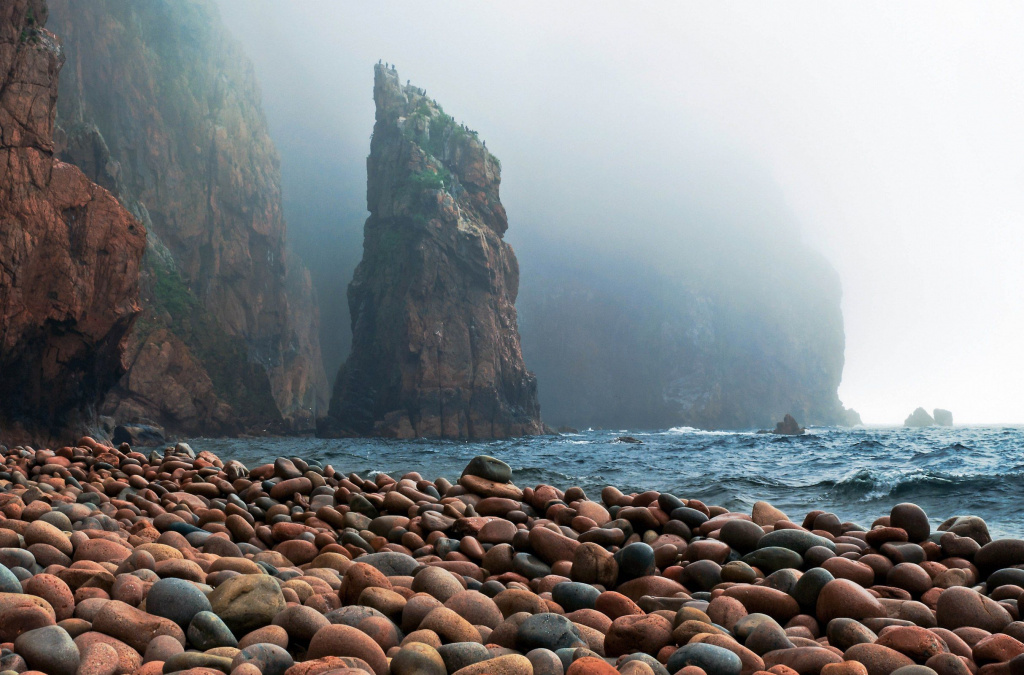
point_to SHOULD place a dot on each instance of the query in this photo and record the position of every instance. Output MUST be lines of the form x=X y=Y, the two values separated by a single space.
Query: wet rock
x=485 y=466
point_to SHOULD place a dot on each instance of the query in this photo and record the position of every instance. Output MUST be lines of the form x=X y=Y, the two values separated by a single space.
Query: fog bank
x=887 y=136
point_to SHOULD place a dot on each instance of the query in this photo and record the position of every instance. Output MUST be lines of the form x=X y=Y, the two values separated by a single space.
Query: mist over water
x=888 y=138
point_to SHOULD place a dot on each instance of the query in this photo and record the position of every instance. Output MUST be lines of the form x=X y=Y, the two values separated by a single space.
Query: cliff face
x=69 y=252
x=435 y=349
x=160 y=105
x=732 y=344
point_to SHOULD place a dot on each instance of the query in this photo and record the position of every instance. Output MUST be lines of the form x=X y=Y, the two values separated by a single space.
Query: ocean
x=859 y=474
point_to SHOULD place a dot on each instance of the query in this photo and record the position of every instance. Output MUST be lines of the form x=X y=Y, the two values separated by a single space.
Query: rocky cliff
x=732 y=343
x=69 y=252
x=435 y=350
x=161 y=106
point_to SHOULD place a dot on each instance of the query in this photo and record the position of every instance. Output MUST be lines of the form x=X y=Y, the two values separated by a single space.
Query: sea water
x=859 y=473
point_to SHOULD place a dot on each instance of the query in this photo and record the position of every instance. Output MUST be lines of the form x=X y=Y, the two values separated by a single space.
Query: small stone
x=510 y=664
x=476 y=608
x=49 y=649
x=572 y=596
x=177 y=600
x=417 y=659
x=342 y=640
x=458 y=655
x=545 y=662
x=591 y=665
x=100 y=659
x=204 y=663
x=795 y=540
x=247 y=602
x=41 y=532
x=764 y=513
x=647 y=633
x=547 y=631
x=269 y=658
x=489 y=468
x=635 y=561
x=449 y=626
x=437 y=582
x=128 y=659
x=878 y=659
x=913 y=519
x=959 y=607
x=844 y=633
x=741 y=535
x=54 y=591
x=712 y=659
x=207 y=631
x=162 y=648
x=842 y=598
x=133 y=626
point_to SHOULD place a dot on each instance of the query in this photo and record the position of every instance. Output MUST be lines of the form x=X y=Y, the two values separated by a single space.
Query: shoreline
x=150 y=562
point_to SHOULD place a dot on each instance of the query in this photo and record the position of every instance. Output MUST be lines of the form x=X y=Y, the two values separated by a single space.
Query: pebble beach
x=115 y=561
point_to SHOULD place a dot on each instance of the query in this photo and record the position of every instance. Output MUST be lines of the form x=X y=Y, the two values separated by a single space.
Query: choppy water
x=857 y=473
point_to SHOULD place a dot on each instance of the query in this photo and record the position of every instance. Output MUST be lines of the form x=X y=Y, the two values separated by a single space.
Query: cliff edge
x=436 y=350
x=69 y=252
x=161 y=106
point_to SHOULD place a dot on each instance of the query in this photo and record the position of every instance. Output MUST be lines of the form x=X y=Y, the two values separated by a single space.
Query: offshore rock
x=69 y=253
x=436 y=349
x=789 y=427
x=161 y=106
x=943 y=418
x=919 y=418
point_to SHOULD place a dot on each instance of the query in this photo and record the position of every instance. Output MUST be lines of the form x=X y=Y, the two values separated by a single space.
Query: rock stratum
x=69 y=252
x=160 y=105
x=112 y=561
x=435 y=349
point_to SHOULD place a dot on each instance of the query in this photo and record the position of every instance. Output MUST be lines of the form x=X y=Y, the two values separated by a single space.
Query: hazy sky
x=891 y=134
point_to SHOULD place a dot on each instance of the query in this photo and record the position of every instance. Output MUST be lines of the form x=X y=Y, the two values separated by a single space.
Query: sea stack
x=919 y=418
x=69 y=252
x=435 y=345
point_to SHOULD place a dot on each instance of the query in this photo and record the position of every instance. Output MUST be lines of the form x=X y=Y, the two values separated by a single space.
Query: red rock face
x=69 y=252
x=161 y=106
x=435 y=349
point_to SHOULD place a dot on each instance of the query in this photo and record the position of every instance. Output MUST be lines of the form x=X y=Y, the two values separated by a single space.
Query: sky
x=886 y=135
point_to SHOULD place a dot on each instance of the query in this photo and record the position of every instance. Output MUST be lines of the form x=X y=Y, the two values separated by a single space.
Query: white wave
x=674 y=431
